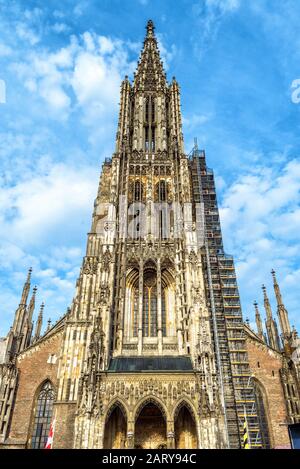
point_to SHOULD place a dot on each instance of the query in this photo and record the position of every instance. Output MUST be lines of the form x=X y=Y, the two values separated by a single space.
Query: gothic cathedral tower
x=153 y=352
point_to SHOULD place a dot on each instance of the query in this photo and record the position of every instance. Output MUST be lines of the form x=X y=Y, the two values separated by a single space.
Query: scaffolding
x=226 y=315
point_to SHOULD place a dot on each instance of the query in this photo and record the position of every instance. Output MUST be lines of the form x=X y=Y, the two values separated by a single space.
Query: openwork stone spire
x=150 y=74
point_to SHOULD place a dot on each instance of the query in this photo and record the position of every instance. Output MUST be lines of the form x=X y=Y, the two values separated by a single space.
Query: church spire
x=281 y=311
x=150 y=74
x=21 y=310
x=26 y=288
x=20 y=332
x=258 y=322
x=28 y=324
x=32 y=304
x=39 y=323
x=271 y=325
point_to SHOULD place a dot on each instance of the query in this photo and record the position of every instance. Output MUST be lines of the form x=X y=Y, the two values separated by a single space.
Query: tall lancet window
x=262 y=414
x=161 y=191
x=150 y=304
x=135 y=311
x=164 y=313
x=147 y=138
x=152 y=123
x=153 y=138
x=42 y=416
x=138 y=191
x=149 y=123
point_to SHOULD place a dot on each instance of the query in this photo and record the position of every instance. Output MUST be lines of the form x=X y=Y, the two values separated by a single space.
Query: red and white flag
x=49 y=443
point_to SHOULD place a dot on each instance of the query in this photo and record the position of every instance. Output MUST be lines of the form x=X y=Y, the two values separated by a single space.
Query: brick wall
x=265 y=365
x=37 y=364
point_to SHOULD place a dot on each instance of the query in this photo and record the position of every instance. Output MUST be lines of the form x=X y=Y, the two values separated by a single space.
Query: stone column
x=140 y=317
x=170 y=435
x=130 y=440
x=130 y=431
x=159 y=312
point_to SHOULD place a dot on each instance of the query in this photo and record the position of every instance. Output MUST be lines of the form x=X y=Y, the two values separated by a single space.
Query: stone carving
x=103 y=294
x=106 y=259
x=90 y=265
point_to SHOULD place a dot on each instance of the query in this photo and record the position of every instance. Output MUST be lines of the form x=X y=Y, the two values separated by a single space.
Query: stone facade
x=153 y=351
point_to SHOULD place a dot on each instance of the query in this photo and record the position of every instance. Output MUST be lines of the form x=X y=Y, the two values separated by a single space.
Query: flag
x=49 y=443
x=246 y=442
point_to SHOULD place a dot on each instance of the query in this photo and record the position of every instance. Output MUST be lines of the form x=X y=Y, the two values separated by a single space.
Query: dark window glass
x=163 y=313
x=42 y=416
x=150 y=305
x=138 y=191
x=262 y=417
x=161 y=191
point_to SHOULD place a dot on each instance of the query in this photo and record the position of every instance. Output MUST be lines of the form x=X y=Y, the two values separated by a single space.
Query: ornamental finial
x=150 y=28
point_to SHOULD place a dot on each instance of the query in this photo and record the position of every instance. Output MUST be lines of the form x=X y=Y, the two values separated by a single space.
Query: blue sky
x=62 y=64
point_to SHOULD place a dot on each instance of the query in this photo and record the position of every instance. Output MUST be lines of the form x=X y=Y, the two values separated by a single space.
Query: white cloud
x=5 y=50
x=85 y=75
x=26 y=34
x=260 y=218
x=60 y=28
x=35 y=211
x=210 y=14
x=223 y=5
x=2 y=92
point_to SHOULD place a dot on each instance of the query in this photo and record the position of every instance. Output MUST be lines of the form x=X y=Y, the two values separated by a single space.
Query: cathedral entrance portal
x=185 y=430
x=115 y=430
x=150 y=428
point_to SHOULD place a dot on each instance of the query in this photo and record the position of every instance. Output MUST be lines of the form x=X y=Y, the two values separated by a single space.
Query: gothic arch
x=183 y=402
x=263 y=413
x=150 y=264
x=169 y=318
x=115 y=426
x=131 y=301
x=117 y=402
x=150 y=424
x=185 y=426
x=41 y=414
x=150 y=399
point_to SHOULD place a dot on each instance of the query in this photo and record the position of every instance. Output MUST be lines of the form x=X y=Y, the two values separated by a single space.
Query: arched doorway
x=115 y=428
x=185 y=428
x=150 y=427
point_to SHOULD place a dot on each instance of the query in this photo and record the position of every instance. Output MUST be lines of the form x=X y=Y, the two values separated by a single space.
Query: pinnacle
x=150 y=74
x=150 y=28
x=273 y=272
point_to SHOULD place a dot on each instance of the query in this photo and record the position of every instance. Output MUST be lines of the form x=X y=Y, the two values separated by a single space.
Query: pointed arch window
x=262 y=415
x=42 y=416
x=161 y=191
x=147 y=138
x=152 y=110
x=135 y=312
x=150 y=305
x=153 y=138
x=138 y=191
x=164 y=313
